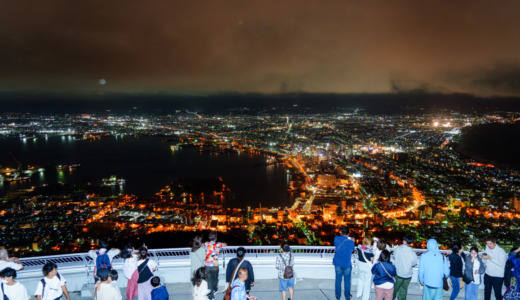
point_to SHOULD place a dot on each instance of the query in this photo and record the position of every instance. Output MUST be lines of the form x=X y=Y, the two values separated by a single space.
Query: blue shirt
x=238 y=290
x=160 y=293
x=344 y=247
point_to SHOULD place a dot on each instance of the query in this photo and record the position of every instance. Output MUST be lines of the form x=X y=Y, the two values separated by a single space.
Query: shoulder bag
x=227 y=294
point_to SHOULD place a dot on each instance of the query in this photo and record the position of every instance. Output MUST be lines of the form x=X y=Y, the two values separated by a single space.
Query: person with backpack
x=285 y=266
x=433 y=267
x=103 y=257
x=12 y=289
x=384 y=273
x=211 y=262
x=234 y=263
x=145 y=267
x=52 y=286
x=344 y=246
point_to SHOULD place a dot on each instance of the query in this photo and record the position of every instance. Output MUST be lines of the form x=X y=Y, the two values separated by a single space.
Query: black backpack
x=288 y=272
x=43 y=284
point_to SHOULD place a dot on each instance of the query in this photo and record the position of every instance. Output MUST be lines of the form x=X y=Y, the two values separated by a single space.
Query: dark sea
x=147 y=164
x=494 y=143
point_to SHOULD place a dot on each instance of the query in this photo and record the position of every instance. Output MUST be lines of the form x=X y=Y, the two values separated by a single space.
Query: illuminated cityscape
x=381 y=175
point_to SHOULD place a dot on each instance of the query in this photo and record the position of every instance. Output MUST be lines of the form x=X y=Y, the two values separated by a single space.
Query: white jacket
x=404 y=260
x=495 y=267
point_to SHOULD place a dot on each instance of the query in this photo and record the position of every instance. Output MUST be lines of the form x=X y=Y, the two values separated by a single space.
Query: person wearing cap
x=283 y=260
x=105 y=290
x=233 y=264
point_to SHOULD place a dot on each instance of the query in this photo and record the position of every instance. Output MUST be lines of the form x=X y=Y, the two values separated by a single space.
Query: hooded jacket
x=433 y=266
x=495 y=267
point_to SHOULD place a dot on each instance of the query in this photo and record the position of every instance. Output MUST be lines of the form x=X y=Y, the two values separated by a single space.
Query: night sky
x=198 y=46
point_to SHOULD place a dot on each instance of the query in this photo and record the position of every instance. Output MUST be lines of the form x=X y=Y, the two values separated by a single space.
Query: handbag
x=445 y=283
x=227 y=294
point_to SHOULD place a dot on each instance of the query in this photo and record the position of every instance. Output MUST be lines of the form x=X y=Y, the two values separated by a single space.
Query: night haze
x=204 y=47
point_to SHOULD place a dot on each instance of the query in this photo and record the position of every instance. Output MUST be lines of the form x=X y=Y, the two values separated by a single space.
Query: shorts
x=286 y=283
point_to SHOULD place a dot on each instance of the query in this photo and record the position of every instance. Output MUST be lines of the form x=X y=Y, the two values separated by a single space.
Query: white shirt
x=201 y=292
x=9 y=264
x=476 y=266
x=16 y=291
x=129 y=267
x=53 y=288
x=495 y=267
x=108 y=291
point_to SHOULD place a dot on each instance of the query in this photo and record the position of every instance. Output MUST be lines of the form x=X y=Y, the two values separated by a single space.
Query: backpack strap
x=43 y=286
x=283 y=260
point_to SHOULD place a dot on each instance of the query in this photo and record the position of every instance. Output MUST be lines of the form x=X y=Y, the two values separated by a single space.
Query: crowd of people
x=388 y=271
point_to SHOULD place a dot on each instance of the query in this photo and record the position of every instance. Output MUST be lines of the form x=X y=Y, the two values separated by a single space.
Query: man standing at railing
x=9 y=262
x=405 y=259
x=342 y=262
x=212 y=252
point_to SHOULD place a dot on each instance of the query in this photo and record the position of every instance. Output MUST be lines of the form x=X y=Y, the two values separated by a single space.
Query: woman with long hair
x=130 y=270
x=145 y=268
x=197 y=255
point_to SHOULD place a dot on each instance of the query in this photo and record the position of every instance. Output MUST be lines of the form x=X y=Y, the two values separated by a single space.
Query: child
x=52 y=286
x=11 y=288
x=105 y=290
x=200 y=285
x=159 y=291
x=384 y=273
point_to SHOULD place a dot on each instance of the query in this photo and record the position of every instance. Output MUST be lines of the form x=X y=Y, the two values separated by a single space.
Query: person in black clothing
x=233 y=263
x=456 y=265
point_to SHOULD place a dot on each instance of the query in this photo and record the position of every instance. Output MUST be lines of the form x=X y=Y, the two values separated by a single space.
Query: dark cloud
x=257 y=46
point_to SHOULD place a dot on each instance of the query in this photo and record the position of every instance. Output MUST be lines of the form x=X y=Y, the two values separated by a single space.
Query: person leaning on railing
x=9 y=262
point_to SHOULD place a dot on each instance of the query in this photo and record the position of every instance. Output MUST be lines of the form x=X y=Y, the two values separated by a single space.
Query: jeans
x=495 y=283
x=471 y=291
x=430 y=293
x=455 y=281
x=364 y=281
x=401 y=287
x=346 y=274
x=212 y=279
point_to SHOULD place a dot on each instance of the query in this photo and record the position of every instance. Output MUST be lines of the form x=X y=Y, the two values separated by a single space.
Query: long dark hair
x=143 y=253
x=197 y=243
x=200 y=274
x=127 y=251
x=385 y=256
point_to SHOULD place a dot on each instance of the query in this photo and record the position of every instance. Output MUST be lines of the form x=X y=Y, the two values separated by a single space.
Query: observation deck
x=313 y=267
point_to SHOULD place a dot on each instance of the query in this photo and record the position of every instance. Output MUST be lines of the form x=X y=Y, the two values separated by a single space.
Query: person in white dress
x=200 y=285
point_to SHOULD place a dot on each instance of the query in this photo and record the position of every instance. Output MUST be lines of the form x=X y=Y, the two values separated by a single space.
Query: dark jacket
x=468 y=272
x=247 y=265
x=456 y=265
x=380 y=276
x=367 y=254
